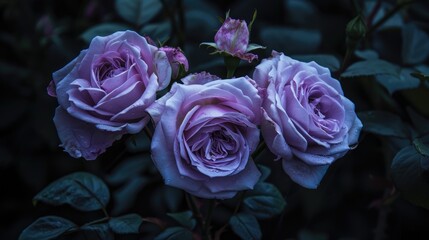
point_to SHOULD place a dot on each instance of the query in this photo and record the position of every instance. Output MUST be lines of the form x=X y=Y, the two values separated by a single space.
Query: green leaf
x=401 y=81
x=325 y=60
x=126 y=224
x=80 y=190
x=103 y=29
x=421 y=148
x=369 y=68
x=410 y=173
x=102 y=230
x=175 y=233
x=415 y=44
x=291 y=40
x=245 y=226
x=366 y=54
x=209 y=44
x=48 y=227
x=264 y=201
x=254 y=46
x=126 y=196
x=138 y=11
x=157 y=31
x=383 y=123
x=184 y=218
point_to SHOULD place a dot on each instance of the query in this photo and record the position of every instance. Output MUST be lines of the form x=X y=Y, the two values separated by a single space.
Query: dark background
x=356 y=199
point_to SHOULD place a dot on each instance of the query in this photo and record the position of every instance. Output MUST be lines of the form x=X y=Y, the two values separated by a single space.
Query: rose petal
x=81 y=139
x=308 y=176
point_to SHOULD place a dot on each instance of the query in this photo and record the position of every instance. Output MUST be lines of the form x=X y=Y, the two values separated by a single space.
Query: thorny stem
x=345 y=62
x=383 y=213
x=206 y=227
x=237 y=207
x=388 y=15
x=374 y=11
x=191 y=201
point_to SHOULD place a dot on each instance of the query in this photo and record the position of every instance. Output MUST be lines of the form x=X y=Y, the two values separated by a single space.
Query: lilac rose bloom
x=233 y=38
x=177 y=59
x=205 y=135
x=306 y=121
x=199 y=78
x=103 y=93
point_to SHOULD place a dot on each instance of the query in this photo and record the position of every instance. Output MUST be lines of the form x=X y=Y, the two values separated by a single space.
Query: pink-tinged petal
x=199 y=78
x=81 y=139
x=232 y=37
x=51 y=89
x=247 y=56
x=162 y=69
x=308 y=176
x=177 y=58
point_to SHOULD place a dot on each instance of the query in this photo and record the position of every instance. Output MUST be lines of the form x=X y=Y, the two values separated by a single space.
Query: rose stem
x=191 y=201
x=387 y=16
x=237 y=207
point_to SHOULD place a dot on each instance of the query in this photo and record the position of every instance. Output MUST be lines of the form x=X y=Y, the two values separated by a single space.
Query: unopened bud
x=356 y=28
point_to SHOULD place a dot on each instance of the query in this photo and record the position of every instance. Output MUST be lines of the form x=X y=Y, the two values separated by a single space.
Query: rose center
x=315 y=104
x=219 y=145
x=110 y=68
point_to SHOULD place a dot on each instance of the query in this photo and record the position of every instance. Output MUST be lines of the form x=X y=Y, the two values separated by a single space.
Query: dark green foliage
x=410 y=172
x=126 y=224
x=245 y=226
x=80 y=190
x=45 y=228
x=383 y=123
x=184 y=218
x=174 y=233
x=264 y=201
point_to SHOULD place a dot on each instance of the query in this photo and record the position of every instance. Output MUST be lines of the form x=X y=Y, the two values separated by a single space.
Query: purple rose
x=177 y=59
x=199 y=78
x=233 y=39
x=103 y=93
x=205 y=135
x=307 y=121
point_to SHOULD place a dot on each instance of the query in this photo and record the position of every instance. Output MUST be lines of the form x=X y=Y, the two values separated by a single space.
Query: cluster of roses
x=206 y=128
